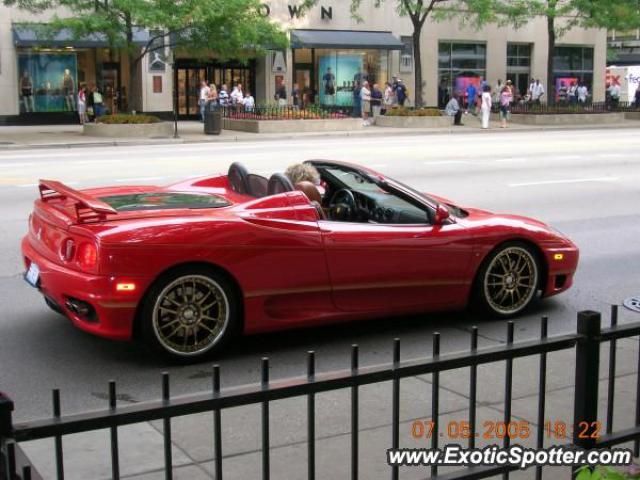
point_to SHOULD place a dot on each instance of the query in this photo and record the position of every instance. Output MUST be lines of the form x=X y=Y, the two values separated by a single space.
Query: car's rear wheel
x=189 y=313
x=508 y=280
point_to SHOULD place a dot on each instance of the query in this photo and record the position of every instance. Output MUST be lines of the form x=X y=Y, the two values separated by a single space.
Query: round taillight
x=67 y=250
x=87 y=255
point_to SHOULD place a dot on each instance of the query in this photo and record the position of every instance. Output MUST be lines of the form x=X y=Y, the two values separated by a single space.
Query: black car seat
x=258 y=186
x=237 y=177
x=279 y=183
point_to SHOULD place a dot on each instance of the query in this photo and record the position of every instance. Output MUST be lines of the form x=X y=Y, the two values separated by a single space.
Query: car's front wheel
x=508 y=280
x=189 y=313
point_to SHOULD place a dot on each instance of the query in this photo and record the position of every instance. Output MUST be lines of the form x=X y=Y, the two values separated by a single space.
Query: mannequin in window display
x=68 y=90
x=329 y=82
x=26 y=92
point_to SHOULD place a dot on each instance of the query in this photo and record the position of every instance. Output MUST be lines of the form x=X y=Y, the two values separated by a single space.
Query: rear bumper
x=561 y=267
x=114 y=311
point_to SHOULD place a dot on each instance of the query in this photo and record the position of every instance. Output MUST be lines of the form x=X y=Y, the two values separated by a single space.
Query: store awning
x=29 y=36
x=344 y=39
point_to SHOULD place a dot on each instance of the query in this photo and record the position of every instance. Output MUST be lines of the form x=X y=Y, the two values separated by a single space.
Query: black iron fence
x=586 y=344
x=288 y=112
x=560 y=108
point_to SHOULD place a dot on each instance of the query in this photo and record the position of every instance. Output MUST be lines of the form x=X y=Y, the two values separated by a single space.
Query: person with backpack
x=401 y=92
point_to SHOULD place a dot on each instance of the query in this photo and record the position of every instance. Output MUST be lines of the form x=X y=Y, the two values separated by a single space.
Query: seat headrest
x=310 y=190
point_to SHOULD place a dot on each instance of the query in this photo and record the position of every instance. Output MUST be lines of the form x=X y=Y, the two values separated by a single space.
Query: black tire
x=508 y=280
x=190 y=313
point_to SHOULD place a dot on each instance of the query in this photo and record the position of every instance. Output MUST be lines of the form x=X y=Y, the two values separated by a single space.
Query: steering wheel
x=342 y=206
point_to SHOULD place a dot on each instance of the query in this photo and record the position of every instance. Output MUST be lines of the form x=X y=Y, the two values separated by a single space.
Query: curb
x=293 y=136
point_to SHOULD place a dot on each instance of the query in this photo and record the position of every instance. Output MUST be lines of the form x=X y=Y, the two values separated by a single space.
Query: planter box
x=414 y=122
x=568 y=118
x=632 y=116
x=284 y=126
x=161 y=129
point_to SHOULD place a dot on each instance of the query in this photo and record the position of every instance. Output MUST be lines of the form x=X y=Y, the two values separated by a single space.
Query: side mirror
x=442 y=213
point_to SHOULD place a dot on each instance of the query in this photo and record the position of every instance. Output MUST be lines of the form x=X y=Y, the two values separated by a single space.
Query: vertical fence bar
x=26 y=472
x=612 y=371
x=636 y=443
x=58 y=438
x=508 y=391
x=395 y=407
x=435 y=400
x=168 y=460
x=473 y=384
x=6 y=433
x=11 y=460
x=542 y=387
x=115 y=456
x=217 y=424
x=311 y=417
x=354 y=415
x=265 y=422
x=587 y=369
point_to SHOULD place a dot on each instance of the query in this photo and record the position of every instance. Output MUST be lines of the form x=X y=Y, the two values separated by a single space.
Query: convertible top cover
x=163 y=201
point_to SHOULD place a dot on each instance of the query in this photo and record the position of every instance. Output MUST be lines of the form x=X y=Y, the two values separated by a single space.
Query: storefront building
x=330 y=52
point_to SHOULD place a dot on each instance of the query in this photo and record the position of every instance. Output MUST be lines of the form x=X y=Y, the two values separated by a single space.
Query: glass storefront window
x=459 y=64
x=338 y=72
x=572 y=65
x=47 y=81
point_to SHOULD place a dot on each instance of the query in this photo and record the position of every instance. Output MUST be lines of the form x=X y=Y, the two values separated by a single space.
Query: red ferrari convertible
x=187 y=266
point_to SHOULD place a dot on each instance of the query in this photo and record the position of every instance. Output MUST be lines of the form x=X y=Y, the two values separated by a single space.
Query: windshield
x=163 y=201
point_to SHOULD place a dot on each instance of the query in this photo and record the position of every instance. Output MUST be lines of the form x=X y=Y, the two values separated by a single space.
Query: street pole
x=175 y=93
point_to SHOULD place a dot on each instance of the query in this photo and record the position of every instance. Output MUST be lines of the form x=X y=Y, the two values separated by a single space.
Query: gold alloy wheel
x=190 y=315
x=511 y=280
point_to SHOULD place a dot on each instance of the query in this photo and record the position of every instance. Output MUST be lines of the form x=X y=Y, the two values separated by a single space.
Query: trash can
x=212 y=119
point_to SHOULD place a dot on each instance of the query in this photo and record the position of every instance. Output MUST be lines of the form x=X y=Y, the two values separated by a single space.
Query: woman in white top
x=486 y=106
x=365 y=101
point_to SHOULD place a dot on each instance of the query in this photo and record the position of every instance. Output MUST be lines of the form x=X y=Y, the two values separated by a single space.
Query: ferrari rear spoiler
x=87 y=208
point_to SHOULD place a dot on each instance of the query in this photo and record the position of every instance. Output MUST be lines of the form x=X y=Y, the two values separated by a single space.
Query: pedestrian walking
x=401 y=92
x=614 y=95
x=223 y=95
x=295 y=96
x=281 y=94
x=205 y=91
x=485 y=108
x=237 y=95
x=573 y=93
x=248 y=102
x=98 y=102
x=357 y=102
x=472 y=93
x=583 y=93
x=453 y=110
x=537 y=92
x=365 y=97
x=505 y=98
x=82 y=104
x=389 y=97
x=376 y=100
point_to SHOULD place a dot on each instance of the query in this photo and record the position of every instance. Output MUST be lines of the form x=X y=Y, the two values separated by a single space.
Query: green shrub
x=413 y=112
x=125 y=118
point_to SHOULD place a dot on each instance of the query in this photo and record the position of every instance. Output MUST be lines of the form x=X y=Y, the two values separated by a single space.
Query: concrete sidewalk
x=68 y=136
x=141 y=445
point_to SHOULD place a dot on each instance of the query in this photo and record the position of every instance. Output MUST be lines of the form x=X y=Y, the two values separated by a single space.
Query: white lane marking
x=571 y=180
x=449 y=162
x=566 y=157
x=612 y=155
x=515 y=160
x=137 y=179
x=27 y=185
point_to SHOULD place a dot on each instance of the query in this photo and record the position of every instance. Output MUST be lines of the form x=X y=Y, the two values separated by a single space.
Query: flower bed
x=128 y=119
x=125 y=125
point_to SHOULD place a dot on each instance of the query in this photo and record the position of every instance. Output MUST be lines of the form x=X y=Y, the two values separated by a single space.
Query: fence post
x=585 y=412
x=6 y=434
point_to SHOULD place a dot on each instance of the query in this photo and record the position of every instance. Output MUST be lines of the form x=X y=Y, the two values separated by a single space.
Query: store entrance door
x=188 y=82
x=303 y=76
x=110 y=86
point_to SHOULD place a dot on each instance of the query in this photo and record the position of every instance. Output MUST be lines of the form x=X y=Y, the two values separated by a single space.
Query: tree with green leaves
x=563 y=15
x=473 y=12
x=224 y=28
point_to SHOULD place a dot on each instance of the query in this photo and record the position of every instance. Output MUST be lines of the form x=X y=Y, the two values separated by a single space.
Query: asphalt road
x=583 y=183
